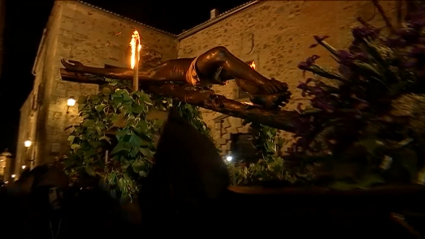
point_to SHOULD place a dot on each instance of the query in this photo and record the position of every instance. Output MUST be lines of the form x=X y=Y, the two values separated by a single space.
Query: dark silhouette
x=188 y=179
x=42 y=205
x=187 y=193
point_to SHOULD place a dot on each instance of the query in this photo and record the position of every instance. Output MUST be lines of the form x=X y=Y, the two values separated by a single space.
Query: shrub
x=115 y=141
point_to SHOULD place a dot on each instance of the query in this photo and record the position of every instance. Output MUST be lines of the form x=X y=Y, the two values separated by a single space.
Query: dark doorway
x=242 y=149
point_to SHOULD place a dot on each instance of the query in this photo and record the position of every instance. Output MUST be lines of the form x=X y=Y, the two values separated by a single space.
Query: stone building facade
x=276 y=35
x=78 y=31
x=5 y=166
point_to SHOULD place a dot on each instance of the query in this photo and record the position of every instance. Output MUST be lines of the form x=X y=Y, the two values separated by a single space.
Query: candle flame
x=252 y=65
x=135 y=43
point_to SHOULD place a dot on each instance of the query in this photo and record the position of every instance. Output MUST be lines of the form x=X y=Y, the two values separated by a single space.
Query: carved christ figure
x=216 y=66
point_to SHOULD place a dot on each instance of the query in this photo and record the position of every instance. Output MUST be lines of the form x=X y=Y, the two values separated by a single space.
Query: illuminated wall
x=277 y=35
x=93 y=36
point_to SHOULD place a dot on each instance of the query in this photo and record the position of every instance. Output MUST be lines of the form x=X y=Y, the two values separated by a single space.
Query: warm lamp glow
x=27 y=143
x=24 y=166
x=13 y=175
x=229 y=158
x=135 y=44
x=71 y=102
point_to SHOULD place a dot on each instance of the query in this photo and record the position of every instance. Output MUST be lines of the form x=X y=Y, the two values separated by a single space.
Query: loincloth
x=193 y=77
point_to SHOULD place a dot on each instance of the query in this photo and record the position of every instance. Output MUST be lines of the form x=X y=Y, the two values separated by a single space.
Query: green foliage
x=270 y=165
x=193 y=113
x=266 y=140
x=270 y=169
x=115 y=141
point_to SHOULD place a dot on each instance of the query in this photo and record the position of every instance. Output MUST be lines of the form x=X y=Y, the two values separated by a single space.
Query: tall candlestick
x=135 y=58
x=136 y=72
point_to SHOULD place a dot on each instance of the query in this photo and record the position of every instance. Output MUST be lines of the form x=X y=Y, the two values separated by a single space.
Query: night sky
x=26 y=19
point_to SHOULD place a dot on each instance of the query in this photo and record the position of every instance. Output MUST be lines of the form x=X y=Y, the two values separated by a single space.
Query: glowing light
x=71 y=102
x=24 y=166
x=135 y=43
x=13 y=175
x=27 y=143
x=229 y=158
x=252 y=65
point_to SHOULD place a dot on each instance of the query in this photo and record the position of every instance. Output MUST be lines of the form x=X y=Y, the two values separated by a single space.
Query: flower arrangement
x=364 y=123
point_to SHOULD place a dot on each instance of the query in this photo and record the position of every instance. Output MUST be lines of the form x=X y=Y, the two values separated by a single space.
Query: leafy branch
x=270 y=166
x=116 y=140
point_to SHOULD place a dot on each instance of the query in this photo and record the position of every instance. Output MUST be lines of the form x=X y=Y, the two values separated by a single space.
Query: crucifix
x=189 y=80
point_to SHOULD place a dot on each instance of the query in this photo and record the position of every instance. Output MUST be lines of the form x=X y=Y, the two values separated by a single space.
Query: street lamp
x=70 y=103
x=27 y=143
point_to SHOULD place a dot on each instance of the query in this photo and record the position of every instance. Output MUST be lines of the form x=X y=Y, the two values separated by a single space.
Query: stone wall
x=274 y=34
x=277 y=36
x=94 y=37
x=26 y=132
x=5 y=165
x=224 y=126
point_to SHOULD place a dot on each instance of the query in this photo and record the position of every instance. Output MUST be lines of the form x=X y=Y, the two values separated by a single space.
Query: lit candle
x=252 y=65
x=135 y=58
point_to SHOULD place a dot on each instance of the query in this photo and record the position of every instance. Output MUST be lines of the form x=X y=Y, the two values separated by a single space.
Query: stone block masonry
x=25 y=132
x=277 y=35
x=274 y=34
x=94 y=37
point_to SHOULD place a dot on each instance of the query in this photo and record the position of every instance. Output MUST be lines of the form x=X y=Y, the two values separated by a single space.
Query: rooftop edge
x=192 y=30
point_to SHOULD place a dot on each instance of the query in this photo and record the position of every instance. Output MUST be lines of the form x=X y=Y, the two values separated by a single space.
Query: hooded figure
x=48 y=188
x=50 y=177
x=49 y=212
x=189 y=176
